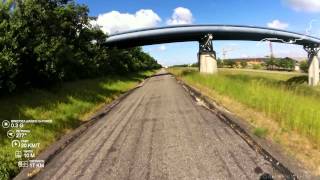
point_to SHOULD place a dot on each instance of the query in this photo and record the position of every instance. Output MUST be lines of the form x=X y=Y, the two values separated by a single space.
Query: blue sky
x=292 y=15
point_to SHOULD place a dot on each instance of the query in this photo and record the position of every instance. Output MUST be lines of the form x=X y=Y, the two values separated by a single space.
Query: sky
x=302 y=16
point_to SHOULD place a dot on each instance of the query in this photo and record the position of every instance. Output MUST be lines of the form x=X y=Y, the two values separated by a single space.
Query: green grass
x=66 y=105
x=260 y=132
x=283 y=97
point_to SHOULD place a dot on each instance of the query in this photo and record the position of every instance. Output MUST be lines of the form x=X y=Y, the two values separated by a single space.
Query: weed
x=260 y=132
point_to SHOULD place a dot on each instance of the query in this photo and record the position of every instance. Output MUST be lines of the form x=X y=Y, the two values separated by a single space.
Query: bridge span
x=205 y=34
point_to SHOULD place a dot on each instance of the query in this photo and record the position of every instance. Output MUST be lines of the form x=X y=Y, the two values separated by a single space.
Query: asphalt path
x=158 y=132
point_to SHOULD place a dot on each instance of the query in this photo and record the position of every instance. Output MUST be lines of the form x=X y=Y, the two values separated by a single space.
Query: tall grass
x=67 y=105
x=294 y=106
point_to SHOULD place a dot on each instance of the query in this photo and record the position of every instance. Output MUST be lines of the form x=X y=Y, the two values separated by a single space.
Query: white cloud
x=114 y=21
x=304 y=5
x=180 y=15
x=162 y=48
x=277 y=24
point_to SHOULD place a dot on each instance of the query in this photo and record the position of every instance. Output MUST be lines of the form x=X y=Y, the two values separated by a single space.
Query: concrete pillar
x=207 y=62
x=313 y=71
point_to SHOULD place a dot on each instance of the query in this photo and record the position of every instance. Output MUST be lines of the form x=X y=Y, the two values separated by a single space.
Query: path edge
x=272 y=152
x=54 y=149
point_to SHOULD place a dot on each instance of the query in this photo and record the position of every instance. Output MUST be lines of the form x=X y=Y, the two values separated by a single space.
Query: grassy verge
x=68 y=106
x=278 y=105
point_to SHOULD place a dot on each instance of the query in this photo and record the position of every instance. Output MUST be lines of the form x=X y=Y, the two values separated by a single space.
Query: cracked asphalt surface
x=158 y=132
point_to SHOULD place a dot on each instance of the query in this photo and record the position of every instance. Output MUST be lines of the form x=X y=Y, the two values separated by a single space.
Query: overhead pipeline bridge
x=205 y=34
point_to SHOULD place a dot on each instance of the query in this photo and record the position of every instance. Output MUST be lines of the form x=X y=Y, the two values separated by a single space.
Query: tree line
x=280 y=64
x=287 y=64
x=43 y=42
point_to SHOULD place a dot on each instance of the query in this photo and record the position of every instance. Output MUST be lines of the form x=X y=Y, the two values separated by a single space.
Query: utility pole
x=225 y=51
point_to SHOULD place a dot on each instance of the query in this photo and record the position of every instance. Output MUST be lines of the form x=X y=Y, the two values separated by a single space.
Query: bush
x=220 y=63
x=304 y=66
x=260 y=132
x=256 y=66
x=229 y=63
x=243 y=64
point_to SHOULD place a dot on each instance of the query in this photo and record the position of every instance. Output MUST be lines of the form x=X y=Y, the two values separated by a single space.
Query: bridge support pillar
x=313 y=61
x=313 y=72
x=207 y=63
x=207 y=56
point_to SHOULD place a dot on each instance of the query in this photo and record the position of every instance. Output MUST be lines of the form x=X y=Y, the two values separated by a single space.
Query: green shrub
x=243 y=64
x=256 y=66
x=260 y=132
x=304 y=66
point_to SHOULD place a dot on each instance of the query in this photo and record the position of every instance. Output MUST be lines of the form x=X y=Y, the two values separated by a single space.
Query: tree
x=286 y=63
x=243 y=64
x=220 y=63
x=44 y=42
x=229 y=63
x=304 y=66
x=8 y=65
x=271 y=64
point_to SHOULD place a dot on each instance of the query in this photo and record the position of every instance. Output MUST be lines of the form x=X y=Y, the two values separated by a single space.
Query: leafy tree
x=304 y=66
x=271 y=64
x=284 y=64
x=8 y=64
x=220 y=63
x=287 y=63
x=230 y=63
x=44 y=42
x=243 y=64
